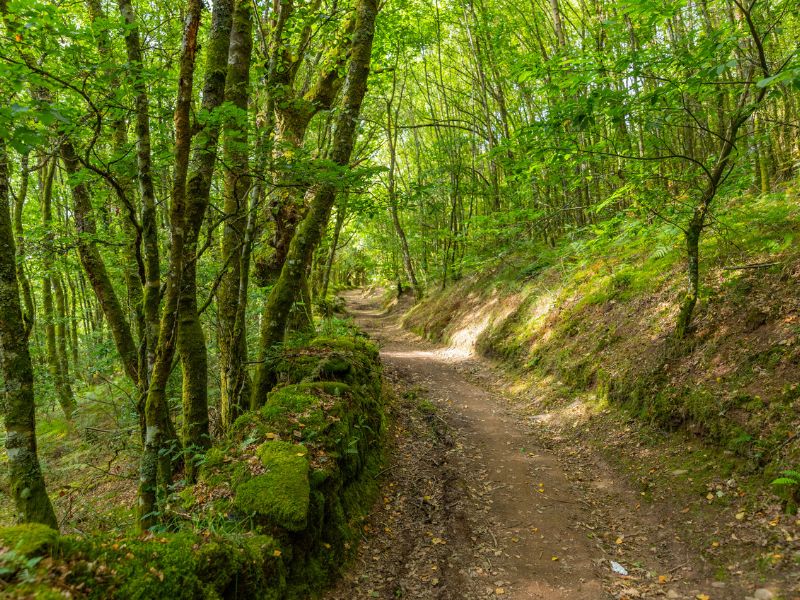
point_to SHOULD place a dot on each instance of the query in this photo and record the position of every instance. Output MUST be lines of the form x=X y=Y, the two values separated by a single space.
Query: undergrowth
x=596 y=314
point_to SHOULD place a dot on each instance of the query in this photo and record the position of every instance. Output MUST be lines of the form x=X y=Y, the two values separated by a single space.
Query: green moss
x=245 y=565
x=30 y=539
x=281 y=494
x=333 y=388
x=330 y=399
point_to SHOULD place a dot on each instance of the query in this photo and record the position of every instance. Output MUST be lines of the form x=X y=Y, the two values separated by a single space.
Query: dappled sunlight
x=464 y=339
x=444 y=356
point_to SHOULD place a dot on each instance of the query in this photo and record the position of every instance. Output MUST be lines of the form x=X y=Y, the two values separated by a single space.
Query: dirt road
x=475 y=506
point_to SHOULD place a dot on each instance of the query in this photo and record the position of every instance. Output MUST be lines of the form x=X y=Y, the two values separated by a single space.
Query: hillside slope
x=706 y=425
x=597 y=315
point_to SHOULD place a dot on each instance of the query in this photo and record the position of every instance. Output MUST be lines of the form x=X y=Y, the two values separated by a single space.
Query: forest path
x=475 y=506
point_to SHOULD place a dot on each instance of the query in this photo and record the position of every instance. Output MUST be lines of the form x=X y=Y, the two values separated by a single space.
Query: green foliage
x=788 y=486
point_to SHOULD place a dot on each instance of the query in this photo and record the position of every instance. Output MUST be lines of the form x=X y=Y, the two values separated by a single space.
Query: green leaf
x=785 y=481
x=766 y=81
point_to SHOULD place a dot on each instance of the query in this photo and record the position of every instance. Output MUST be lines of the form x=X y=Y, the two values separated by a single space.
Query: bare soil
x=478 y=502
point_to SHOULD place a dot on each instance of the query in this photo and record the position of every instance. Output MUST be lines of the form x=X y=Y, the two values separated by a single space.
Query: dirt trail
x=475 y=506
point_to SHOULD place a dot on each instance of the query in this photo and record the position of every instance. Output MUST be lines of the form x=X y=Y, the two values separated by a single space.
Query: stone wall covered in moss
x=276 y=511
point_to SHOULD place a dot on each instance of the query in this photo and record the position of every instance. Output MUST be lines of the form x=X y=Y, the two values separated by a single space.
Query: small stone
x=678 y=472
x=672 y=594
x=718 y=584
x=763 y=594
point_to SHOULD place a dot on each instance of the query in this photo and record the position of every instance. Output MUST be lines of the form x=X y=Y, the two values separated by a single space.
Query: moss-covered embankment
x=595 y=317
x=275 y=514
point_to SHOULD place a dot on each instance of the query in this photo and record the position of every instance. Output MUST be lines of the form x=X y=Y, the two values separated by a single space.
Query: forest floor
x=480 y=502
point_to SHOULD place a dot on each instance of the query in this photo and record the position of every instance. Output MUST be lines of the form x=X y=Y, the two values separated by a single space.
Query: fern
x=661 y=251
x=784 y=481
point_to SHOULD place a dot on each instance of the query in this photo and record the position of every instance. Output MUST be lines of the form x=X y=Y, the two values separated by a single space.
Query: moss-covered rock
x=30 y=539
x=301 y=469
x=281 y=494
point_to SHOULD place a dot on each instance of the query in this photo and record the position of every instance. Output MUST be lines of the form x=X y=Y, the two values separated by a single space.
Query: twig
x=680 y=566
x=752 y=266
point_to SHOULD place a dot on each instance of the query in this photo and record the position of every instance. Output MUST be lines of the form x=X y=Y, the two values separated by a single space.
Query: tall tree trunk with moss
x=94 y=265
x=341 y=214
x=62 y=330
x=51 y=322
x=19 y=235
x=322 y=197
x=293 y=114
x=150 y=294
x=234 y=379
x=25 y=474
x=191 y=338
x=154 y=460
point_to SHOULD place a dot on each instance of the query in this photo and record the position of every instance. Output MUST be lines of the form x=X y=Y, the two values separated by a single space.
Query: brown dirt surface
x=480 y=502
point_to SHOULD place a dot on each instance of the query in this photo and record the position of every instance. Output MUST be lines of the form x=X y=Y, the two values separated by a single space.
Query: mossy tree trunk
x=191 y=338
x=154 y=459
x=149 y=224
x=293 y=113
x=322 y=197
x=341 y=214
x=52 y=323
x=19 y=235
x=25 y=475
x=234 y=379
x=94 y=265
x=62 y=331
x=133 y=268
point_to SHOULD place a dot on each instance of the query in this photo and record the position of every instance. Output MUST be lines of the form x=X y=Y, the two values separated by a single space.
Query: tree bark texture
x=25 y=474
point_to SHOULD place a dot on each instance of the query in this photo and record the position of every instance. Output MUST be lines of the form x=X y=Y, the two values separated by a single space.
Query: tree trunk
x=55 y=366
x=154 y=458
x=25 y=475
x=234 y=379
x=392 y=112
x=309 y=232
x=150 y=294
x=341 y=213
x=692 y=238
x=293 y=113
x=19 y=233
x=62 y=330
x=95 y=267
x=191 y=338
